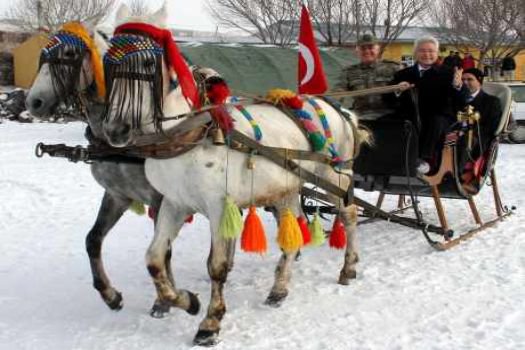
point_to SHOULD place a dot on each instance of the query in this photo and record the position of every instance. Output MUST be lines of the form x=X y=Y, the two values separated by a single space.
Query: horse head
x=146 y=79
x=70 y=66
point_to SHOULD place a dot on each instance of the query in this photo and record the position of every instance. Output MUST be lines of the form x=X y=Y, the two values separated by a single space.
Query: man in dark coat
x=488 y=106
x=439 y=93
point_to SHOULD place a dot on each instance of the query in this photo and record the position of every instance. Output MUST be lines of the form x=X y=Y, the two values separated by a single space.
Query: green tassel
x=315 y=227
x=317 y=140
x=137 y=207
x=231 y=220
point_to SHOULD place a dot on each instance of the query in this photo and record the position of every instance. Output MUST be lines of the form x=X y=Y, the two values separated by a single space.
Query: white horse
x=66 y=76
x=198 y=180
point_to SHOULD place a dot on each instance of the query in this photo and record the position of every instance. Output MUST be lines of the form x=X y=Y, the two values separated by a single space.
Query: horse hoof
x=275 y=299
x=206 y=338
x=344 y=278
x=195 y=304
x=116 y=302
x=159 y=310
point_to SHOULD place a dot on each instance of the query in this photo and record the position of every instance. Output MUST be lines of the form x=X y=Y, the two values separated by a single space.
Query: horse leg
x=161 y=308
x=349 y=217
x=111 y=210
x=168 y=224
x=231 y=253
x=218 y=268
x=283 y=272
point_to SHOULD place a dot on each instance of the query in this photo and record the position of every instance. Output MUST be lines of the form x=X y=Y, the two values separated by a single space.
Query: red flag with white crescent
x=311 y=77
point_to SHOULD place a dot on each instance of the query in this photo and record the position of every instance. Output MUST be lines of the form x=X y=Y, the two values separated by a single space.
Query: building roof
x=8 y=26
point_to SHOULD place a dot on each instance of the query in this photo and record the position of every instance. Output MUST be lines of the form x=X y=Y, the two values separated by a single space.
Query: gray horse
x=67 y=77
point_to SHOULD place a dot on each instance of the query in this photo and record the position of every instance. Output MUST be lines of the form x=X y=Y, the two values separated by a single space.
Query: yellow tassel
x=277 y=95
x=137 y=207
x=77 y=29
x=289 y=237
x=231 y=220
x=253 y=238
x=318 y=236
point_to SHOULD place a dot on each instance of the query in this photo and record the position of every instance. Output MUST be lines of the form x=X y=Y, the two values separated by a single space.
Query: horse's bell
x=217 y=136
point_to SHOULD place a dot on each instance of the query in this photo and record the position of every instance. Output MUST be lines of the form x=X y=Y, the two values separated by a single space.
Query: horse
x=71 y=73
x=142 y=65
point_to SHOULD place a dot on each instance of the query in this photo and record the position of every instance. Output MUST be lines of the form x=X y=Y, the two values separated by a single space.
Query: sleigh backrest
x=504 y=94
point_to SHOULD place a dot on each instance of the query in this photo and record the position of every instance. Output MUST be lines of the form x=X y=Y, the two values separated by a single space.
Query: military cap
x=367 y=39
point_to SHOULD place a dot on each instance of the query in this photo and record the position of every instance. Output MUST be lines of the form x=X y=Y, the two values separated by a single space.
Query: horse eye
x=69 y=54
x=149 y=63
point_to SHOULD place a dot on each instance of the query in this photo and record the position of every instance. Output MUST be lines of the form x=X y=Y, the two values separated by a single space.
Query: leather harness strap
x=288 y=163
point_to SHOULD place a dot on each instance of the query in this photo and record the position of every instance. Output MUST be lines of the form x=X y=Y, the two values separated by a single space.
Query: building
x=10 y=37
x=402 y=49
x=26 y=58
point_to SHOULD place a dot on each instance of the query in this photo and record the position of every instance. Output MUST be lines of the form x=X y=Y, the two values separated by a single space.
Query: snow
x=406 y=296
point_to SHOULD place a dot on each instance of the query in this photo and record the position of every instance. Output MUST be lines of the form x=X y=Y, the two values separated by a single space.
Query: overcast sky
x=186 y=14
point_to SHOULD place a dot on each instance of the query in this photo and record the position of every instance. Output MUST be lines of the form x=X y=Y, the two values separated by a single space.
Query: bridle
x=131 y=58
x=65 y=71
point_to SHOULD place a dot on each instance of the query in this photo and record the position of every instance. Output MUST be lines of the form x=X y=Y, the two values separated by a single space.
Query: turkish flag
x=311 y=76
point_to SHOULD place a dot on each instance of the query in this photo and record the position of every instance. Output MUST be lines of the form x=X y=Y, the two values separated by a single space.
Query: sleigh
x=389 y=167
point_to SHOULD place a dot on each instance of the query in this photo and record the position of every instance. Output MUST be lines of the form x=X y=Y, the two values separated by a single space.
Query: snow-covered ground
x=406 y=296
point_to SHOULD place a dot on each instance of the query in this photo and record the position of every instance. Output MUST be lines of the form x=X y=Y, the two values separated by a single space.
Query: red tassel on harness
x=152 y=214
x=307 y=236
x=221 y=116
x=218 y=92
x=293 y=102
x=338 y=235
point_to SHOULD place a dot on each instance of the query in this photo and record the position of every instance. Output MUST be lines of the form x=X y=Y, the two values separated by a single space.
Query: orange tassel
x=338 y=235
x=307 y=236
x=253 y=238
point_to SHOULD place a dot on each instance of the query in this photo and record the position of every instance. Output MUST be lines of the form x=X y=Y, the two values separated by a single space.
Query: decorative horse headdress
x=175 y=61
x=136 y=55
x=65 y=72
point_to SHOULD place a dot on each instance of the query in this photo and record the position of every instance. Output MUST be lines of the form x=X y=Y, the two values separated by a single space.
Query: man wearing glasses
x=370 y=72
x=438 y=94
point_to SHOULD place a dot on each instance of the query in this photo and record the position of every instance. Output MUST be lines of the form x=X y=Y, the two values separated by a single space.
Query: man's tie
x=470 y=98
x=422 y=72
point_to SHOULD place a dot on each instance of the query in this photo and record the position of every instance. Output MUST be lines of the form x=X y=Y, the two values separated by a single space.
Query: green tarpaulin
x=256 y=69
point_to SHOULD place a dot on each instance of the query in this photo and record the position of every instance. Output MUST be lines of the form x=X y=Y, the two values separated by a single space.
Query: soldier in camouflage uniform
x=370 y=72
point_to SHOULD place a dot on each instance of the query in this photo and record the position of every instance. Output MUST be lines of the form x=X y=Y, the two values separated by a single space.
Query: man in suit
x=488 y=106
x=439 y=92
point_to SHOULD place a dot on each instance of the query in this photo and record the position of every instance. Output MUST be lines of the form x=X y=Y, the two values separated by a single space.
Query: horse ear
x=123 y=13
x=90 y=25
x=160 y=18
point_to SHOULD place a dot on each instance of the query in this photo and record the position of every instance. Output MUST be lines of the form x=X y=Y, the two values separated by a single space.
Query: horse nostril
x=126 y=128
x=118 y=134
x=36 y=104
